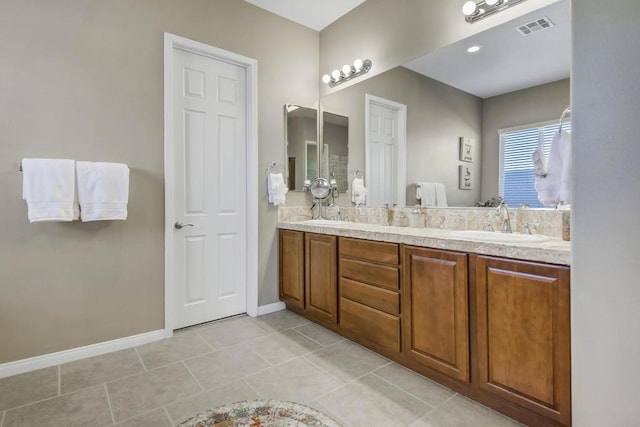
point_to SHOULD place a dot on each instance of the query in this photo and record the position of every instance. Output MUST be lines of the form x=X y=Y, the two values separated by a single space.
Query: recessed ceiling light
x=473 y=49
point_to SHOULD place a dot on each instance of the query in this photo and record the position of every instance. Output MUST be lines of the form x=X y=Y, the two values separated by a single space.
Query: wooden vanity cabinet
x=320 y=277
x=523 y=333
x=435 y=319
x=370 y=292
x=291 y=268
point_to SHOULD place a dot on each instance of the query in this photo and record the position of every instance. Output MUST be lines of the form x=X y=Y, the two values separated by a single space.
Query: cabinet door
x=524 y=334
x=435 y=310
x=321 y=279
x=291 y=266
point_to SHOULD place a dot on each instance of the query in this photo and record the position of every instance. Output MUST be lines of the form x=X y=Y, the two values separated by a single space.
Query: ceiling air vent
x=535 y=26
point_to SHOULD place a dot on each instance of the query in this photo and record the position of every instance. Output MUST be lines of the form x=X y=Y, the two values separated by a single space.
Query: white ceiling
x=507 y=60
x=315 y=14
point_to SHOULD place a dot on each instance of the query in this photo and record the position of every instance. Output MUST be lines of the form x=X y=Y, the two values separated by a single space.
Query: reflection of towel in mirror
x=431 y=194
x=276 y=188
x=555 y=188
x=539 y=162
x=358 y=191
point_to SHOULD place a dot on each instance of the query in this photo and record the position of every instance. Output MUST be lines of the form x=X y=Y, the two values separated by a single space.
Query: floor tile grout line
x=140 y=358
x=193 y=376
x=4 y=414
x=432 y=406
x=59 y=380
x=166 y=413
x=106 y=392
x=207 y=343
x=342 y=382
x=250 y=388
x=42 y=400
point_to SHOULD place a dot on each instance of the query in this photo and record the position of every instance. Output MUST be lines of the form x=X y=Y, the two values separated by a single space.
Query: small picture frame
x=466 y=149
x=465 y=177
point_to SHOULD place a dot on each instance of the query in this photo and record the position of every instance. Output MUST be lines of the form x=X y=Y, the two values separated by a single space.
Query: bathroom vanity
x=488 y=320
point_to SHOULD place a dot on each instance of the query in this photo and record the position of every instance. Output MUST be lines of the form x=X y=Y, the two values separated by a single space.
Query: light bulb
x=491 y=2
x=469 y=8
x=473 y=49
x=357 y=64
x=335 y=74
x=346 y=69
x=326 y=78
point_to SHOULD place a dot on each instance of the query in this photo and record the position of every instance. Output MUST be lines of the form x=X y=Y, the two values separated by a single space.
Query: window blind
x=517 y=185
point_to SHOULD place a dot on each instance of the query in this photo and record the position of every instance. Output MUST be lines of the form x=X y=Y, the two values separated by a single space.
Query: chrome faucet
x=503 y=210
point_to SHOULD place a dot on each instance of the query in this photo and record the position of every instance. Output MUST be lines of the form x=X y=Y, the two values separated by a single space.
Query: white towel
x=554 y=188
x=539 y=162
x=276 y=188
x=103 y=190
x=564 y=143
x=358 y=191
x=49 y=188
x=431 y=194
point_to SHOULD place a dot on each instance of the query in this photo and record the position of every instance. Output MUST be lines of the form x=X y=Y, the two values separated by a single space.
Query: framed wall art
x=466 y=149
x=465 y=181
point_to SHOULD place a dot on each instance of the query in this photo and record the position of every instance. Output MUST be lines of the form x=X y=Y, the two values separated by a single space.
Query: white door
x=385 y=152
x=210 y=185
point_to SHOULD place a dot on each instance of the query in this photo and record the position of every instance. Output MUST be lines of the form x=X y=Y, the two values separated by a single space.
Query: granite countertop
x=554 y=250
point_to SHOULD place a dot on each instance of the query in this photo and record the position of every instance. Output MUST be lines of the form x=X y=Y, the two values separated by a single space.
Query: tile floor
x=277 y=356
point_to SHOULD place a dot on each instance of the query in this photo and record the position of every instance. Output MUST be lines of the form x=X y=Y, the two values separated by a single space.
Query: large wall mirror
x=452 y=94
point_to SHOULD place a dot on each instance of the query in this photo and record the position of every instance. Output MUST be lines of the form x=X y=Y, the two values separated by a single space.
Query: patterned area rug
x=261 y=413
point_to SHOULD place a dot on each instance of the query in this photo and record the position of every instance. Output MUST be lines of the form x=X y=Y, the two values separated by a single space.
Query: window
x=517 y=186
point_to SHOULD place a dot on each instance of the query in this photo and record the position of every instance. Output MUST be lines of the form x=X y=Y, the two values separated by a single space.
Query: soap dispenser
x=417 y=218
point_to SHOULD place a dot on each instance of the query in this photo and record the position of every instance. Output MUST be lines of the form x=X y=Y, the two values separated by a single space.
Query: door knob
x=178 y=225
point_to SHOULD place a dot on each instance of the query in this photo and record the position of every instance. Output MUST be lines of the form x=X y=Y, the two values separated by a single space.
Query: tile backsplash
x=541 y=221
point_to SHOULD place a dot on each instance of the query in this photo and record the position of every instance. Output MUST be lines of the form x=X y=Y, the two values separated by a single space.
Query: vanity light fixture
x=473 y=10
x=348 y=72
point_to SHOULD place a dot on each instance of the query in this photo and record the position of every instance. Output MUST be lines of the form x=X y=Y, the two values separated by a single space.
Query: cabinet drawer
x=371 y=324
x=368 y=250
x=381 y=299
x=375 y=274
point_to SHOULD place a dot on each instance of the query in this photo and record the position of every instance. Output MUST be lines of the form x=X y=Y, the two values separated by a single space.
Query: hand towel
x=49 y=188
x=358 y=191
x=431 y=194
x=441 y=195
x=103 y=190
x=539 y=162
x=276 y=188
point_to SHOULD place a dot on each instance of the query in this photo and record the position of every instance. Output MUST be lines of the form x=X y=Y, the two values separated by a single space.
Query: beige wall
x=83 y=79
x=532 y=105
x=605 y=291
x=437 y=115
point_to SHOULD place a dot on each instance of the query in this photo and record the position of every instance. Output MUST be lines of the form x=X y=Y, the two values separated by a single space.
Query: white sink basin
x=496 y=236
x=324 y=222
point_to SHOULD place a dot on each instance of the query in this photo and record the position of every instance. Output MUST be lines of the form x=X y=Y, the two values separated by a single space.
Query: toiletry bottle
x=391 y=214
x=416 y=219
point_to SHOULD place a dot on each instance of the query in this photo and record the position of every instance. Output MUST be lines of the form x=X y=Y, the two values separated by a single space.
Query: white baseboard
x=271 y=308
x=53 y=359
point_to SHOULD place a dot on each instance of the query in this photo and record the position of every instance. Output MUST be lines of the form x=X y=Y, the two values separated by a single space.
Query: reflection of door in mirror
x=385 y=142
x=311 y=160
x=301 y=130
x=335 y=149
